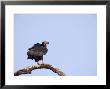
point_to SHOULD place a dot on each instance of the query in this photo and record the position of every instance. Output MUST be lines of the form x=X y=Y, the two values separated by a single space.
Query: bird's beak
x=47 y=43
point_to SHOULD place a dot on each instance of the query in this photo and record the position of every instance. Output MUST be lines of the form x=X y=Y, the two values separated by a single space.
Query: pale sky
x=72 y=42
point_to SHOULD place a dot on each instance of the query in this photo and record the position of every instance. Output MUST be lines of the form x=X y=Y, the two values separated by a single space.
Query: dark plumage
x=37 y=51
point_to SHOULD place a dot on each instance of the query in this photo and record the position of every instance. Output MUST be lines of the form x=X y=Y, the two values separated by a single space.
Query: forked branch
x=29 y=69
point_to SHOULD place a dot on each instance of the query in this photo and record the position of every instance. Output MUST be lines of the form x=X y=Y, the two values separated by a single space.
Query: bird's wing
x=42 y=50
x=37 y=51
x=35 y=45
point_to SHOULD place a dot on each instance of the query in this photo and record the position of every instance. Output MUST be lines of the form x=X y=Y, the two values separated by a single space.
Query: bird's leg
x=38 y=63
x=42 y=62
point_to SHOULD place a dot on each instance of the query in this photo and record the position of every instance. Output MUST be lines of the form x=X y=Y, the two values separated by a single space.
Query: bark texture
x=28 y=70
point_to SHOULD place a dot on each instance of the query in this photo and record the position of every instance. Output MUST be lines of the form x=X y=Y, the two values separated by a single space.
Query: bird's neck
x=44 y=45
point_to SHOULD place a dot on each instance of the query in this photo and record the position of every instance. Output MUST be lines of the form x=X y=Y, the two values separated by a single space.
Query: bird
x=37 y=51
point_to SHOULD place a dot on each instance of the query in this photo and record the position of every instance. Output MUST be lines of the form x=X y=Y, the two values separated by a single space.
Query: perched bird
x=37 y=51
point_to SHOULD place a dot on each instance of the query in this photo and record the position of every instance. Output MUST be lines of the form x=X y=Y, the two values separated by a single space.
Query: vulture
x=37 y=51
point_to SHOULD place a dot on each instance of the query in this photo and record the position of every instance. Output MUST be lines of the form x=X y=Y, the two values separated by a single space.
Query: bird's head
x=45 y=43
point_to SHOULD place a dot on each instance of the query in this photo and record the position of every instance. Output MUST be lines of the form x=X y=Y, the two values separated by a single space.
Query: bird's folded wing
x=41 y=49
x=38 y=51
x=35 y=53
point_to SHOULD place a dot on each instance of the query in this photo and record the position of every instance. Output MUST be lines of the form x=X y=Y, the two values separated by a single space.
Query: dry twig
x=29 y=69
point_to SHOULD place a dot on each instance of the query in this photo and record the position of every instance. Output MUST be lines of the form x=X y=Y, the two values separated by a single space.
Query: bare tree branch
x=29 y=69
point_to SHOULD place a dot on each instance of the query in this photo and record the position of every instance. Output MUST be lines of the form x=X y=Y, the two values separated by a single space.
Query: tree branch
x=29 y=69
